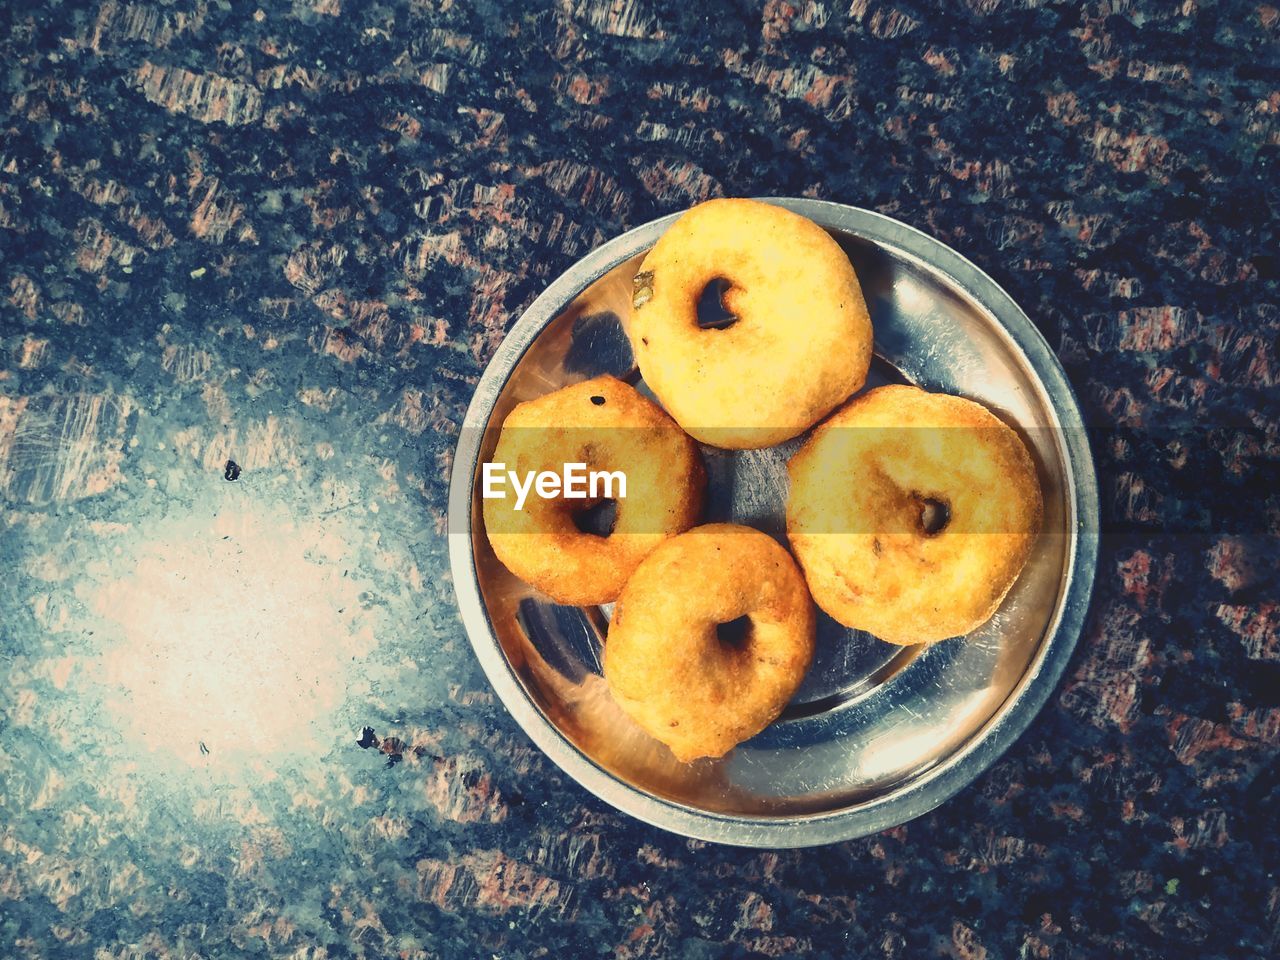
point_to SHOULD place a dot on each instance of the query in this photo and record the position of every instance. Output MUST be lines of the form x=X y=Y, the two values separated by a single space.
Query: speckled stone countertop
x=291 y=235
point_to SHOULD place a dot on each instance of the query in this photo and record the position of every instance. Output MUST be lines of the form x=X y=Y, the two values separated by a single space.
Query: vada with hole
x=670 y=666
x=797 y=340
x=606 y=425
x=912 y=514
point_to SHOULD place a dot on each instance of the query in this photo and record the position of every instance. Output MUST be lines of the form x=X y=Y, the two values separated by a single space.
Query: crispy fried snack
x=912 y=514
x=608 y=426
x=800 y=338
x=668 y=662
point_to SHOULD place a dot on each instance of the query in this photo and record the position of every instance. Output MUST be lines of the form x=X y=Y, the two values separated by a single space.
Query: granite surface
x=290 y=235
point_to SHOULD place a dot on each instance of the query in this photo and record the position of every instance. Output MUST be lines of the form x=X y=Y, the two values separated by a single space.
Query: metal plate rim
x=932 y=787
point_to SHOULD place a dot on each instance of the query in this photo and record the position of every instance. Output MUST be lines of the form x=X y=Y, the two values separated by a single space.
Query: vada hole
x=734 y=634
x=934 y=516
x=712 y=313
x=597 y=519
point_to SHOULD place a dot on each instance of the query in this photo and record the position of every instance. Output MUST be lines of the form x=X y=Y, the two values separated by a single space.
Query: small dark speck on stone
x=204 y=751
x=231 y=471
x=598 y=401
x=367 y=739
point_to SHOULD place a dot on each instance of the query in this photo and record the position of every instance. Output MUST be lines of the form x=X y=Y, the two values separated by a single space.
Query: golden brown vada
x=800 y=338
x=606 y=425
x=668 y=663
x=912 y=514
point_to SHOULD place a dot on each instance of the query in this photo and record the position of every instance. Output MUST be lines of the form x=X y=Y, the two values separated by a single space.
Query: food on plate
x=608 y=427
x=710 y=639
x=912 y=514
x=795 y=344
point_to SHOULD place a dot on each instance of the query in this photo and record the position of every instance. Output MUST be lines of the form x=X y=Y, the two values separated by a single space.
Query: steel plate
x=877 y=734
